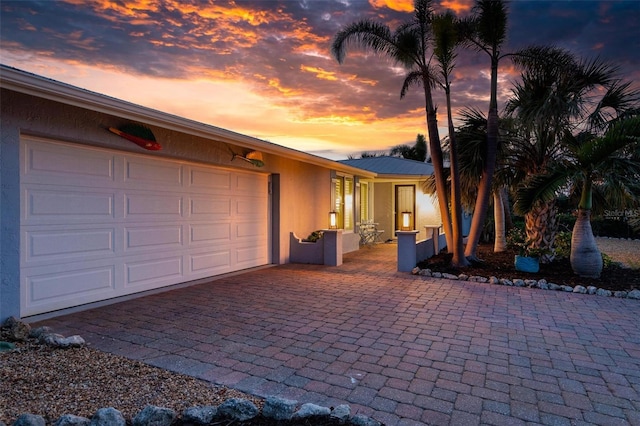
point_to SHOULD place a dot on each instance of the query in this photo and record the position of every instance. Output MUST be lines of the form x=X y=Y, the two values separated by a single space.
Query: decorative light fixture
x=333 y=220
x=253 y=157
x=406 y=221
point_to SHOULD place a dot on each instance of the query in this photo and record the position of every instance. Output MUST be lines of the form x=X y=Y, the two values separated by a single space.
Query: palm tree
x=418 y=152
x=486 y=32
x=446 y=39
x=408 y=45
x=608 y=164
x=567 y=120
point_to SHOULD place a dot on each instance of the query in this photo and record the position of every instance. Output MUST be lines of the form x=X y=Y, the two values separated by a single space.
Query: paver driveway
x=400 y=348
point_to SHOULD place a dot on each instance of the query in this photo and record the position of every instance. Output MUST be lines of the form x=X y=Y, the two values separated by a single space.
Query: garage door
x=98 y=223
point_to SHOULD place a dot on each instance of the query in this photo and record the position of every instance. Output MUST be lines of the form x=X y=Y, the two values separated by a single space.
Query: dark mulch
x=501 y=265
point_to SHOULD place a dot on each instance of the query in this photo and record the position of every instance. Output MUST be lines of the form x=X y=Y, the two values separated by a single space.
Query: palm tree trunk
x=457 y=247
x=586 y=259
x=500 y=240
x=508 y=222
x=486 y=180
x=541 y=226
x=437 y=161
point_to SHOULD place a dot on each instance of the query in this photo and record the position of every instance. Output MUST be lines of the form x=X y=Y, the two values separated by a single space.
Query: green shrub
x=563 y=245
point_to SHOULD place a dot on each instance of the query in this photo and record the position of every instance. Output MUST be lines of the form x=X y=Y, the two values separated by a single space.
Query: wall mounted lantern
x=406 y=221
x=333 y=220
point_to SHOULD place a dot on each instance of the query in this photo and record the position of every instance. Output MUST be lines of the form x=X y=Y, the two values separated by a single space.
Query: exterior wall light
x=406 y=221
x=333 y=220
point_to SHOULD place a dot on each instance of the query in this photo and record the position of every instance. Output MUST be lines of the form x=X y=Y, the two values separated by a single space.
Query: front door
x=405 y=202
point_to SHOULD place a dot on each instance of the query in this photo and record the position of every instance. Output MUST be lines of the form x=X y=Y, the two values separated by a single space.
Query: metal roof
x=395 y=166
x=39 y=86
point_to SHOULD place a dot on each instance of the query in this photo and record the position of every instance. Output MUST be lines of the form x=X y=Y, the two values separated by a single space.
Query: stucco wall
x=304 y=193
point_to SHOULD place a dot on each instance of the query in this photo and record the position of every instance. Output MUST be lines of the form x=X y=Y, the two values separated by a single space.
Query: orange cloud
x=398 y=5
x=320 y=73
x=458 y=6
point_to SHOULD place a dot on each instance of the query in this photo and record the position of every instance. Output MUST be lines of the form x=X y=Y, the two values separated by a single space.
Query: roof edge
x=36 y=85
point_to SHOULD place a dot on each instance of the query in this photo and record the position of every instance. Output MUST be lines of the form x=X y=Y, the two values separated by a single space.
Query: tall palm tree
x=486 y=32
x=408 y=45
x=418 y=152
x=446 y=40
x=609 y=164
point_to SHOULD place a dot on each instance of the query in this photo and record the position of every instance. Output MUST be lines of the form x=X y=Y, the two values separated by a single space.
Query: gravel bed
x=621 y=250
x=51 y=382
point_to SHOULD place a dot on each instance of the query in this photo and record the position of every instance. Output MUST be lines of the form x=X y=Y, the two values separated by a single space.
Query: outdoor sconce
x=406 y=221
x=333 y=220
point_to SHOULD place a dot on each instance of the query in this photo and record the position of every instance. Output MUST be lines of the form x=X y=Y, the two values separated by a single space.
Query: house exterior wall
x=303 y=194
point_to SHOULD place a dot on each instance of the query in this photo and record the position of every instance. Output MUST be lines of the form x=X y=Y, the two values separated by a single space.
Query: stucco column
x=332 y=239
x=406 y=250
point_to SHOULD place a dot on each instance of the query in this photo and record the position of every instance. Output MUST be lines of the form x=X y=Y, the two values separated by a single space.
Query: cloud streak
x=263 y=67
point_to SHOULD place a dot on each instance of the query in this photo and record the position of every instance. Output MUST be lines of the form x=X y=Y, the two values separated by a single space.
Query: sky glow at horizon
x=263 y=67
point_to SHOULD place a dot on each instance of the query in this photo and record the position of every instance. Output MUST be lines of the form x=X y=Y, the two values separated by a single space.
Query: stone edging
x=539 y=284
x=232 y=410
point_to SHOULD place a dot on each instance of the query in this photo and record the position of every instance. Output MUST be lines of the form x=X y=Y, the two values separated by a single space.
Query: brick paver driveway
x=400 y=348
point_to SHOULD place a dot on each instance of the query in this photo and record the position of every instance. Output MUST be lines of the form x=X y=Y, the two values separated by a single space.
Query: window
x=343 y=201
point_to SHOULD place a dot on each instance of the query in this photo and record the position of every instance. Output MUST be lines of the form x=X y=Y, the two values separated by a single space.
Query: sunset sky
x=263 y=67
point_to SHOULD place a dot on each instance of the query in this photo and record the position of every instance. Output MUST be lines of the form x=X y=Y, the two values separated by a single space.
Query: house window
x=343 y=201
x=364 y=201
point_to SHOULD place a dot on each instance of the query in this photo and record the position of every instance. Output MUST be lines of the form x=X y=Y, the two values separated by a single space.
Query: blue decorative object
x=527 y=264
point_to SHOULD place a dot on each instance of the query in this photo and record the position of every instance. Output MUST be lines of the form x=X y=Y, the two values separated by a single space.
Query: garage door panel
x=76 y=168
x=154 y=237
x=211 y=262
x=203 y=208
x=57 y=289
x=141 y=172
x=210 y=233
x=67 y=206
x=150 y=207
x=123 y=223
x=67 y=244
x=149 y=271
x=203 y=179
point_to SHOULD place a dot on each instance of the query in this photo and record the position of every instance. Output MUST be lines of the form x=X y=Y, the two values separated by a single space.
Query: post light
x=406 y=221
x=333 y=220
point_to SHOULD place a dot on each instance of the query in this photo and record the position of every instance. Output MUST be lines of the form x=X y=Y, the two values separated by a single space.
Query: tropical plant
x=408 y=45
x=571 y=112
x=418 y=152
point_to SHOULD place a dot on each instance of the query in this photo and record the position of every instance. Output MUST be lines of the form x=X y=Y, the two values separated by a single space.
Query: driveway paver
x=402 y=349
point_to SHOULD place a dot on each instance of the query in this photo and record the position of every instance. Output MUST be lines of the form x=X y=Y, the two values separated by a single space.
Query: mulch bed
x=501 y=265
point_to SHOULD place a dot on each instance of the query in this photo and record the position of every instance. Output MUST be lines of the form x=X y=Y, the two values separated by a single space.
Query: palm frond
x=539 y=188
x=365 y=34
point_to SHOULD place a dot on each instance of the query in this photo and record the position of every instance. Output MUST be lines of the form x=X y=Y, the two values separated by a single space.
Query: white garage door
x=98 y=223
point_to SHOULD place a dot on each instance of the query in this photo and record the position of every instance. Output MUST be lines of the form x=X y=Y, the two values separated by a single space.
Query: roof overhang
x=42 y=87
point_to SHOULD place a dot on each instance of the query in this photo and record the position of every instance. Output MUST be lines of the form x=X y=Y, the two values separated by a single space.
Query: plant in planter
x=313 y=237
x=528 y=257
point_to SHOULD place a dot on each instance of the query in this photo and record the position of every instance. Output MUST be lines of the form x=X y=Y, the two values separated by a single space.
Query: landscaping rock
x=425 y=272
x=542 y=285
x=554 y=286
x=59 y=341
x=634 y=294
x=478 y=279
x=154 y=416
x=494 y=280
x=278 y=408
x=341 y=412
x=518 y=282
x=566 y=288
x=463 y=277
x=620 y=294
x=436 y=274
x=238 y=409
x=29 y=419
x=108 y=417
x=531 y=283
x=450 y=276
x=311 y=410
x=603 y=292
x=72 y=420
x=39 y=331
x=592 y=289
x=199 y=415
x=415 y=271
x=506 y=282
x=580 y=289
x=16 y=329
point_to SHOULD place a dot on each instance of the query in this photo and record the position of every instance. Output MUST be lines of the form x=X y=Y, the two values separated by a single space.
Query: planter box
x=527 y=264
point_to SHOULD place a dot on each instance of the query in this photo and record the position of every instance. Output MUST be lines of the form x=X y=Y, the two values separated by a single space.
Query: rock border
x=541 y=284
x=232 y=410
